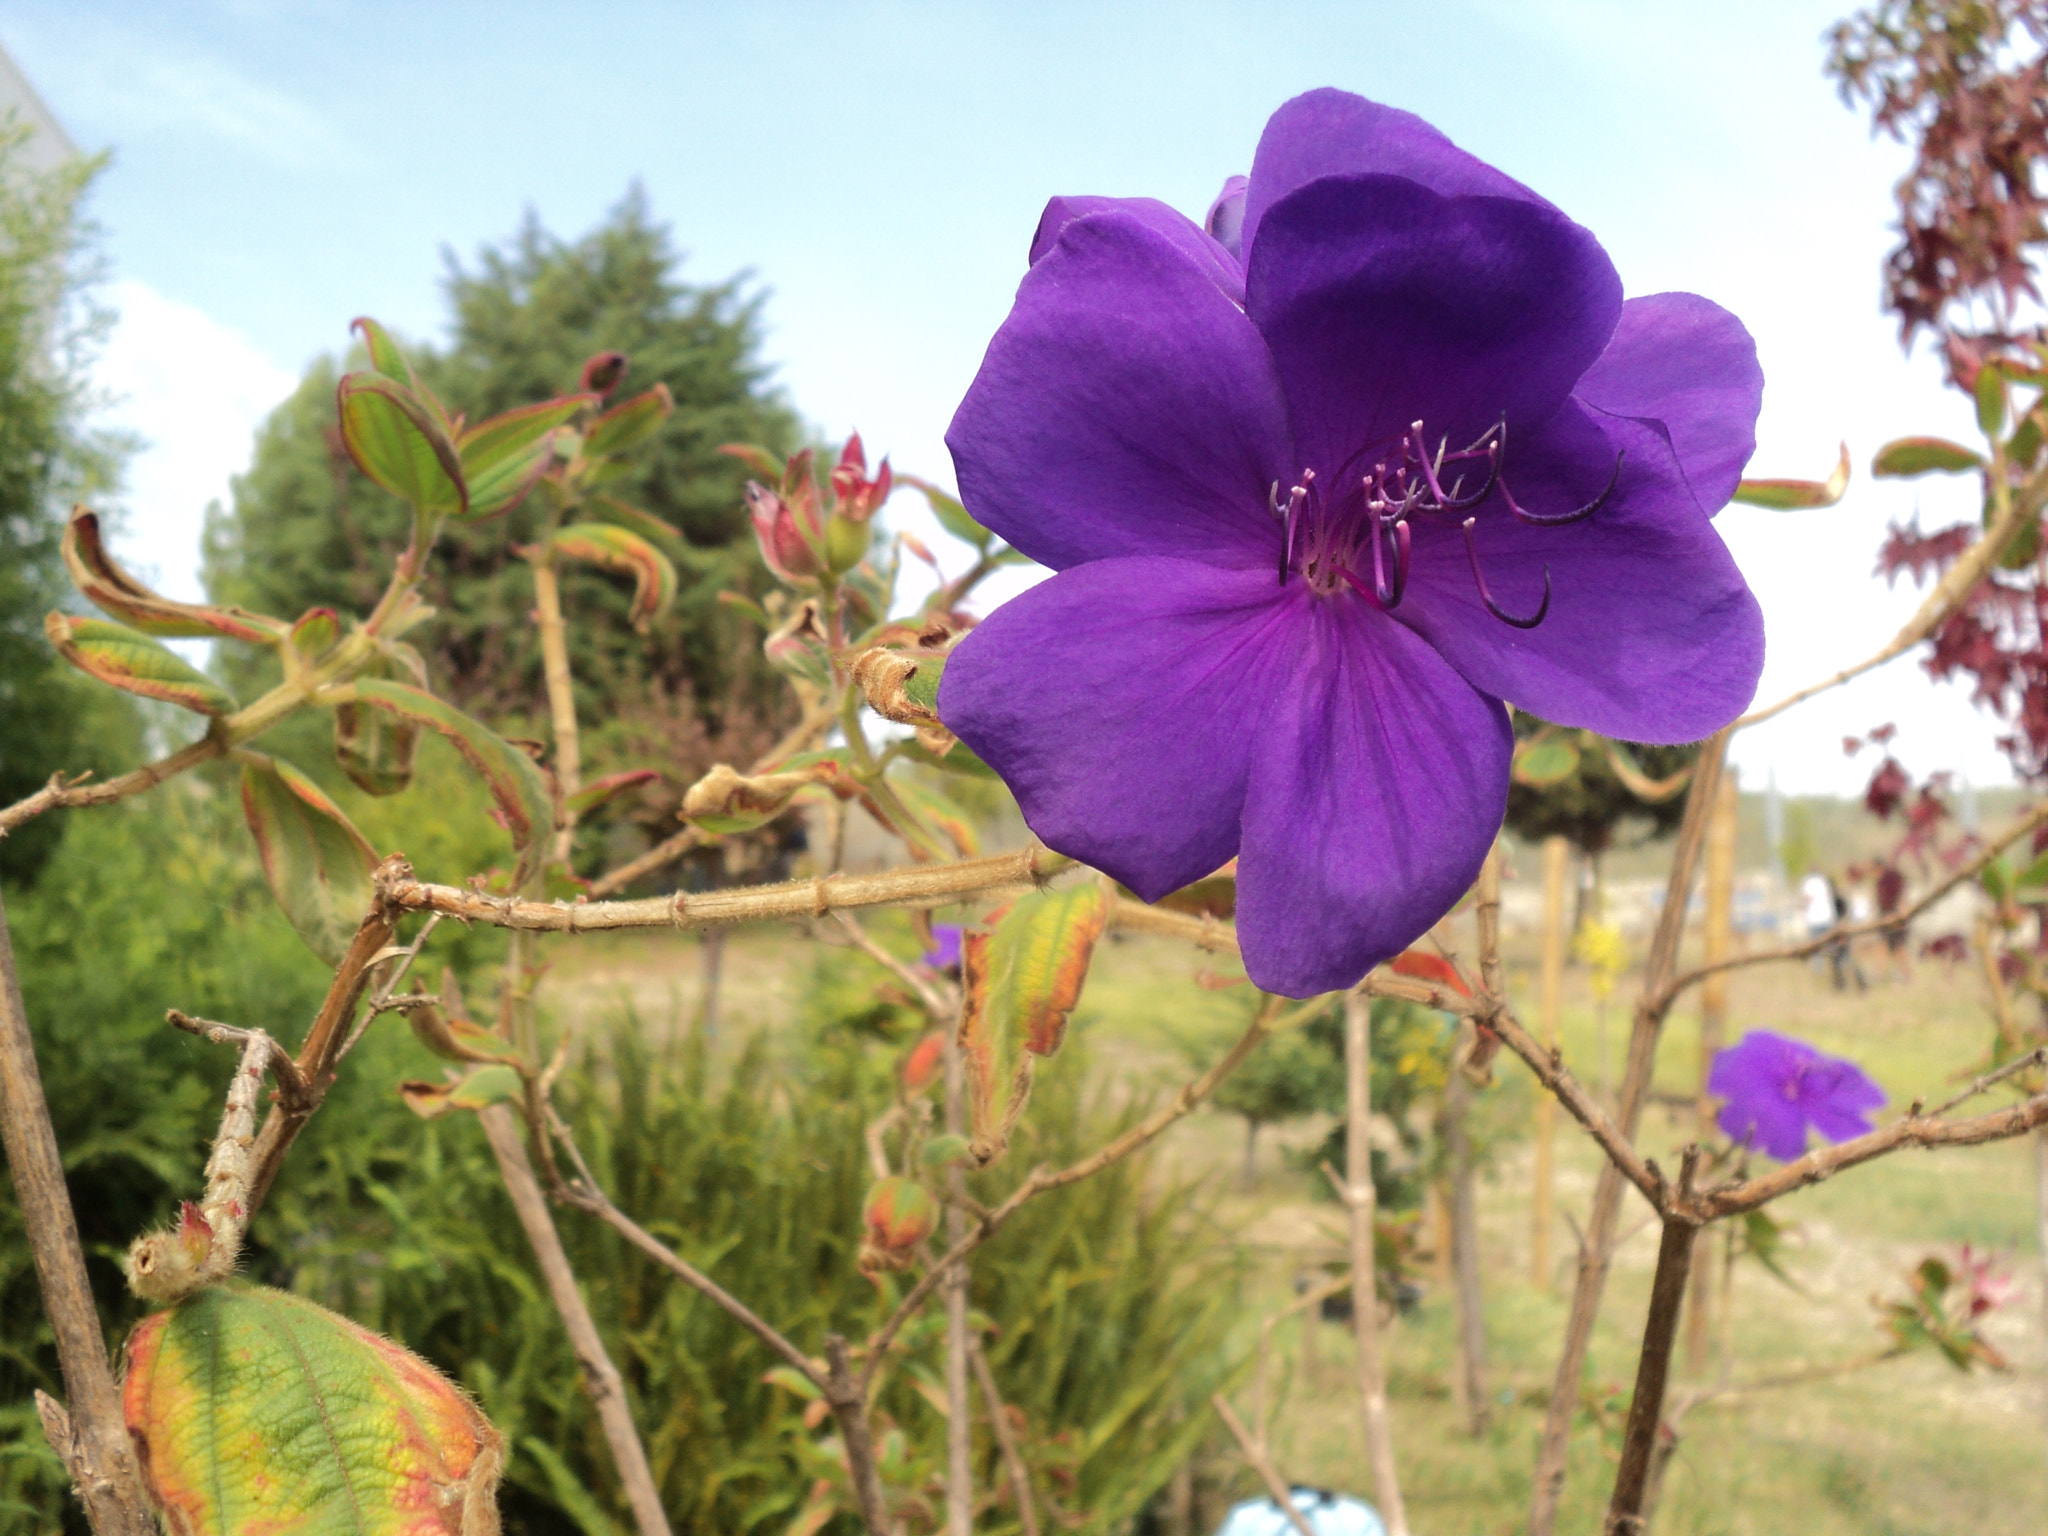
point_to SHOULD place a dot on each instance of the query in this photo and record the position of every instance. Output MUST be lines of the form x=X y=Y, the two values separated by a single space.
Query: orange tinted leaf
x=612 y=548
x=256 y=1411
x=113 y=591
x=1420 y=965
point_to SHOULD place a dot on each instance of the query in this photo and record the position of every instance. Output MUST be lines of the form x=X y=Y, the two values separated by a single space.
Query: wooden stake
x=1720 y=851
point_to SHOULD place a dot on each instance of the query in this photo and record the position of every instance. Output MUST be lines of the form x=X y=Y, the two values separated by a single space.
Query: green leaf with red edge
x=454 y=1038
x=952 y=515
x=1421 y=965
x=113 y=591
x=1793 y=495
x=385 y=355
x=1905 y=457
x=525 y=805
x=600 y=508
x=1022 y=977
x=597 y=793
x=375 y=749
x=395 y=439
x=314 y=633
x=503 y=458
x=131 y=661
x=626 y=553
x=479 y=1089
x=257 y=1411
x=1545 y=760
x=758 y=459
x=629 y=423
x=317 y=863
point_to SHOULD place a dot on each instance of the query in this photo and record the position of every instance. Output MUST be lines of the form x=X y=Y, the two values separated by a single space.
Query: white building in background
x=49 y=146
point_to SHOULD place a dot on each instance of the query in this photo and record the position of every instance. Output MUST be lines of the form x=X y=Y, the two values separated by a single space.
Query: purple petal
x=1121 y=702
x=1838 y=1098
x=1126 y=407
x=1652 y=634
x=1385 y=303
x=1333 y=133
x=1225 y=219
x=1377 y=785
x=1685 y=362
x=1774 y=1125
x=1211 y=255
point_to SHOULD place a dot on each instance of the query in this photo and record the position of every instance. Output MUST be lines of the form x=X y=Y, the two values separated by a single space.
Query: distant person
x=1842 y=959
x=1818 y=898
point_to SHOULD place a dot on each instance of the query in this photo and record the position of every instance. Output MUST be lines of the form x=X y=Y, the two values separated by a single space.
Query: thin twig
x=93 y=1439
x=1548 y=1066
x=1596 y=1249
x=1375 y=1418
x=291 y=1088
x=1653 y=1366
x=384 y=1002
x=936 y=1003
x=602 y=1383
x=847 y=1394
x=1276 y=1487
x=1006 y=1440
x=61 y=793
x=1949 y=593
x=2037 y=1057
x=1660 y=998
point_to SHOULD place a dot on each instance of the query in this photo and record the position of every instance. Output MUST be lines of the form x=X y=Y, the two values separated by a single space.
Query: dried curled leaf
x=900 y=685
x=726 y=800
x=256 y=1412
x=129 y=660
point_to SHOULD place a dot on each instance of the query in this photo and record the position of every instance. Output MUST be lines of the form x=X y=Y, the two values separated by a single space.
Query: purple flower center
x=1358 y=536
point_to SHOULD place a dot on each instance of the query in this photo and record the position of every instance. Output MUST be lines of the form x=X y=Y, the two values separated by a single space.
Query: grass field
x=1906 y=1446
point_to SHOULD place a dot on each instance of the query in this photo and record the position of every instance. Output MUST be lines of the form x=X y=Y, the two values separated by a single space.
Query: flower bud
x=857 y=498
x=604 y=373
x=790 y=536
x=924 y=1061
x=899 y=1214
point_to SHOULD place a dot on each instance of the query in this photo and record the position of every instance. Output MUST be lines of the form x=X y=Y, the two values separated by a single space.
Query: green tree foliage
x=50 y=718
x=307 y=529
x=1291 y=1075
x=1591 y=807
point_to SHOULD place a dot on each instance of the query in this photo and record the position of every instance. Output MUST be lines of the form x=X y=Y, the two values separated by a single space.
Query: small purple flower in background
x=1775 y=1087
x=944 y=955
x=1323 y=481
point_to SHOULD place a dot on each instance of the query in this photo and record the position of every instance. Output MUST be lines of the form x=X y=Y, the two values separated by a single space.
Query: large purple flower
x=1322 y=484
x=1775 y=1087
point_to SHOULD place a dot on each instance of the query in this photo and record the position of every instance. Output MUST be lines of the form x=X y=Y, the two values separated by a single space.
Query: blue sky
x=279 y=168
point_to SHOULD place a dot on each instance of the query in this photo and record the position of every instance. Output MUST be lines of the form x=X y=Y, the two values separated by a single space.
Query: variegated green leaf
x=1545 y=761
x=257 y=1412
x=952 y=516
x=480 y=1089
x=314 y=632
x=524 y=803
x=1905 y=457
x=503 y=458
x=394 y=438
x=1022 y=976
x=129 y=660
x=317 y=863
x=620 y=550
x=1794 y=495
x=629 y=423
x=600 y=508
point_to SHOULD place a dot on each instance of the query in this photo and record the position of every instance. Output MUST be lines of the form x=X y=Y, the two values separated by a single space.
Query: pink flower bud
x=604 y=373
x=789 y=535
x=856 y=497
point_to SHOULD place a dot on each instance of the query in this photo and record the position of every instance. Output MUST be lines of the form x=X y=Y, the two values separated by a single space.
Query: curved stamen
x=1560 y=519
x=1486 y=597
x=1295 y=498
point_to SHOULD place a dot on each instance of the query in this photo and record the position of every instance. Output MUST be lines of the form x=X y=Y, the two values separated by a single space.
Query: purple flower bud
x=944 y=955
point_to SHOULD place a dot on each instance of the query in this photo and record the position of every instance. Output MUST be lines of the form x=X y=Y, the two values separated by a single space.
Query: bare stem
x=848 y=1396
x=1595 y=1248
x=2035 y=1058
x=1006 y=1441
x=959 y=1427
x=93 y=1439
x=601 y=1380
x=1357 y=1192
x=1276 y=1487
x=554 y=654
x=1653 y=1368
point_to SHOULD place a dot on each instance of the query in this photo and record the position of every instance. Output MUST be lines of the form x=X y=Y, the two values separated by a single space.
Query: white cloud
x=194 y=391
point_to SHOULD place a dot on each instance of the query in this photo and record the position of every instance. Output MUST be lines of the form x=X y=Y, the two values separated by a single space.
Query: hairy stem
x=554 y=655
x=96 y=1449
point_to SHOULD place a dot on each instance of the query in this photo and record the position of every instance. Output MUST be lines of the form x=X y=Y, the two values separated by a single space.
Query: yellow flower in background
x=1601 y=947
